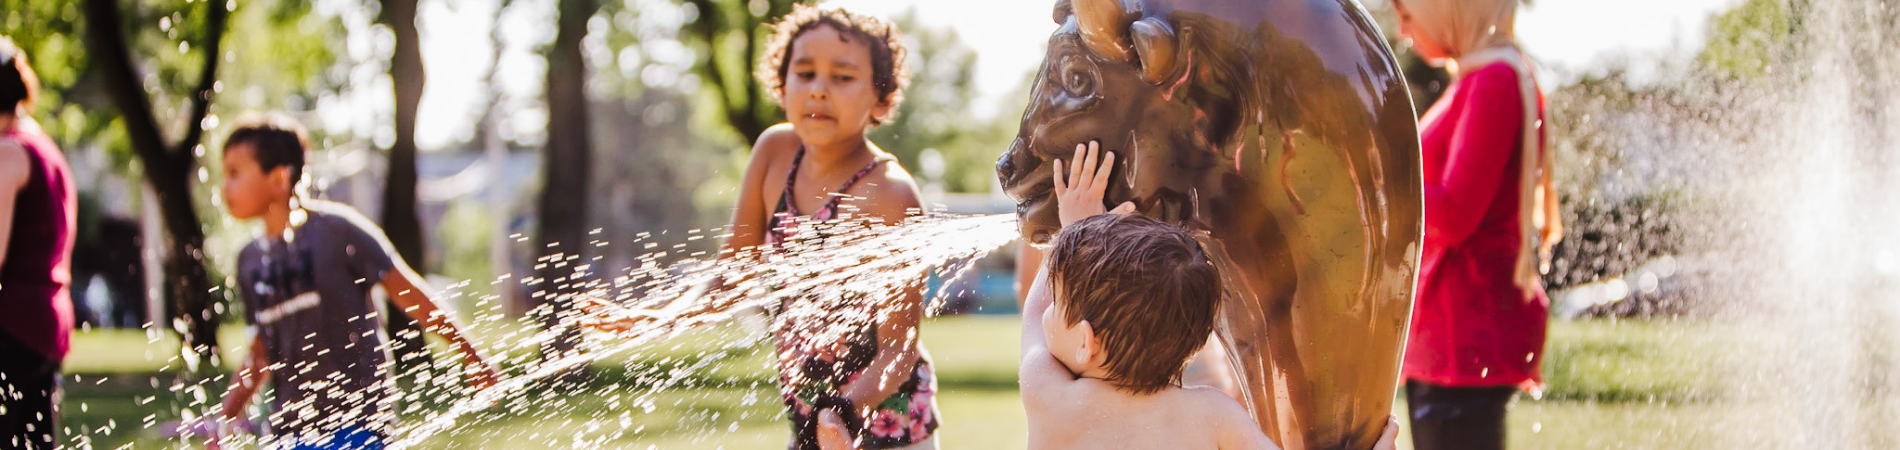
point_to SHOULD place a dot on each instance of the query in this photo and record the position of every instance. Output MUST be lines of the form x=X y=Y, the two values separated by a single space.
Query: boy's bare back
x=1092 y=414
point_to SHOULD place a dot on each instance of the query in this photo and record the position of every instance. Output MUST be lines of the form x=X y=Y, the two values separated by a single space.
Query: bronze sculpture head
x=1283 y=131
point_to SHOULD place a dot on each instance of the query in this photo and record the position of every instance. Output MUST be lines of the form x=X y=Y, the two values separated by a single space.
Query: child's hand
x=606 y=316
x=1080 y=196
x=214 y=430
x=481 y=374
x=1389 y=439
x=831 y=432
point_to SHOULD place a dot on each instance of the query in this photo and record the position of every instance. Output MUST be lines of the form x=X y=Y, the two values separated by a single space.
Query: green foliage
x=1612 y=384
x=935 y=114
x=464 y=234
x=278 y=56
x=70 y=110
x=1748 y=41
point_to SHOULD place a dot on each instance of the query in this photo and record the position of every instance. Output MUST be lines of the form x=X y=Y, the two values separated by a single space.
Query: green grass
x=1627 y=384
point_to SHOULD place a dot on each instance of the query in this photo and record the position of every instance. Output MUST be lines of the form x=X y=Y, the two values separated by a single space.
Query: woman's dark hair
x=18 y=85
x=890 y=71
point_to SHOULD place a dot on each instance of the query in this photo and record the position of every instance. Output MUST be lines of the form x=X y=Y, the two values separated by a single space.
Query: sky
x=1570 y=36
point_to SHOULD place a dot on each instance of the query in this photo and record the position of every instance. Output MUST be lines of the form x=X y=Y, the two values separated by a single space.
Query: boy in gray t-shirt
x=306 y=290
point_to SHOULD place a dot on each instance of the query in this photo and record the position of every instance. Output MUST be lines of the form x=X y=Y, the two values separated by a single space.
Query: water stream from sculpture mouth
x=870 y=263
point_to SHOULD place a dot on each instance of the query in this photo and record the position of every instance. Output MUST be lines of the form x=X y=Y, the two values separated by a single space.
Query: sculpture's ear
x=1155 y=44
x=1104 y=27
x=1063 y=11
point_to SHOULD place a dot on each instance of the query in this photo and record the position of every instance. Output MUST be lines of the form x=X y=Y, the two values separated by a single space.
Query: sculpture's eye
x=1077 y=79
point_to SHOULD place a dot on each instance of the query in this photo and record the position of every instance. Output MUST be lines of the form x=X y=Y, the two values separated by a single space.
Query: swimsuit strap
x=785 y=204
x=787 y=207
x=831 y=207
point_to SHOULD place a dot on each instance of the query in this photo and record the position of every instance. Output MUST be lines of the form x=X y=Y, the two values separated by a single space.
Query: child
x=1122 y=304
x=306 y=291
x=837 y=75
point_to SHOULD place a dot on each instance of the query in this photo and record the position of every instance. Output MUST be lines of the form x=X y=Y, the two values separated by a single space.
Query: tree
x=732 y=34
x=1746 y=42
x=400 y=222
x=168 y=165
x=935 y=114
x=563 y=205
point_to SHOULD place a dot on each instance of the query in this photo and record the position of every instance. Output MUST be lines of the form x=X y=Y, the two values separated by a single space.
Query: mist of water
x=1790 y=231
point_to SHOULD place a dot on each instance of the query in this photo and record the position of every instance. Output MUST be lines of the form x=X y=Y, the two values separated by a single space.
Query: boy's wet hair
x=890 y=72
x=275 y=140
x=18 y=85
x=1147 y=289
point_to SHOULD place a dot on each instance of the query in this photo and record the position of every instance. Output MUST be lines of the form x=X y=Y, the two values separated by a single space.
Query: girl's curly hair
x=890 y=72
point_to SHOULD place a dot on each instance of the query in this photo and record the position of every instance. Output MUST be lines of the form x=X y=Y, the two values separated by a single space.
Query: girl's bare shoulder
x=891 y=193
x=777 y=143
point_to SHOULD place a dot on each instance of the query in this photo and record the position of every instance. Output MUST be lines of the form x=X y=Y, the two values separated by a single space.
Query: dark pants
x=29 y=393
x=1463 y=418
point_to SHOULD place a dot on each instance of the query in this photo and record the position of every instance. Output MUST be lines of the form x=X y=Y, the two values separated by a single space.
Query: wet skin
x=1280 y=129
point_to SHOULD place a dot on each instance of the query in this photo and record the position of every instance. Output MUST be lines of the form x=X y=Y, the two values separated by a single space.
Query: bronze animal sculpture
x=1281 y=129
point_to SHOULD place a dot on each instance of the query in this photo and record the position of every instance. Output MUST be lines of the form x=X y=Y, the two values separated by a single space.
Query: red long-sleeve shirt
x=1471 y=323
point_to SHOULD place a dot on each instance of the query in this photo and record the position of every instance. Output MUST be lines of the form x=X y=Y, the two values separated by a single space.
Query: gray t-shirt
x=309 y=298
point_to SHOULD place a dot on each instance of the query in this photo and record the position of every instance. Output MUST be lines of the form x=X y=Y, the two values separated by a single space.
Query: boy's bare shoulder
x=328 y=213
x=1221 y=416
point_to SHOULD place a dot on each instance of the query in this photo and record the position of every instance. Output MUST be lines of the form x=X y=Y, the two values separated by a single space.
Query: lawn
x=1627 y=384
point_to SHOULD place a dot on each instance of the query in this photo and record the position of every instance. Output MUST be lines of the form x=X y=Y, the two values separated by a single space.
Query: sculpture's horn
x=1155 y=45
x=1104 y=27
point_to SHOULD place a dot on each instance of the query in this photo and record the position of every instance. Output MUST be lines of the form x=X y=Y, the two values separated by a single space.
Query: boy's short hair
x=1146 y=287
x=276 y=141
x=18 y=85
x=890 y=71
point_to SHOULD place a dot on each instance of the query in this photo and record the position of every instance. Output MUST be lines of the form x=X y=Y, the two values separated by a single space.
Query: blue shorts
x=345 y=439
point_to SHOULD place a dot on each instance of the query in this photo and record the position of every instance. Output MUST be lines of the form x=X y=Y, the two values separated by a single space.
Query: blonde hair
x=1475 y=34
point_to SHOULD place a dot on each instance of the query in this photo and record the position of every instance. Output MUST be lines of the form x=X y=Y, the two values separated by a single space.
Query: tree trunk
x=564 y=195
x=400 y=222
x=168 y=167
x=745 y=103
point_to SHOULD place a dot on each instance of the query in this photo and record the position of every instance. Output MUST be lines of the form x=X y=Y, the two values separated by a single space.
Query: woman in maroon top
x=1479 y=320
x=37 y=208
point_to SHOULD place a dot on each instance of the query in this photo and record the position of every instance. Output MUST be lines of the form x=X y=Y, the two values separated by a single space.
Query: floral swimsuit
x=815 y=366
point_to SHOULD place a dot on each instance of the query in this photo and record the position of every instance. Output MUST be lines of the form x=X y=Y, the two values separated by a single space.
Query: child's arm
x=892 y=201
x=407 y=290
x=1041 y=375
x=250 y=375
x=748 y=216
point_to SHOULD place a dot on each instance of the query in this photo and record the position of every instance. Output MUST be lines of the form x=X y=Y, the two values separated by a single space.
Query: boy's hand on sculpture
x=1079 y=196
x=1388 y=440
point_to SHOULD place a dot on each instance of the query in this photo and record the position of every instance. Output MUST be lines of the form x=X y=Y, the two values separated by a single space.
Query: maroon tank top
x=35 y=278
